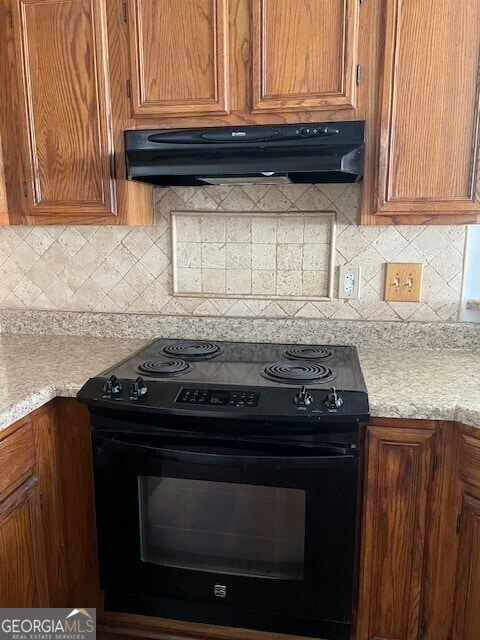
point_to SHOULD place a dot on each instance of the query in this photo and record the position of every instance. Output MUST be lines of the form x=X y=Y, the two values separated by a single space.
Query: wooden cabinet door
x=179 y=57
x=427 y=131
x=58 y=131
x=467 y=598
x=23 y=580
x=304 y=54
x=3 y=192
x=397 y=483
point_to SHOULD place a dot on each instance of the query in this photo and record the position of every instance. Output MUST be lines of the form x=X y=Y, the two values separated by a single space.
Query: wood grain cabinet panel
x=304 y=54
x=23 y=580
x=467 y=609
x=398 y=478
x=427 y=134
x=179 y=57
x=60 y=58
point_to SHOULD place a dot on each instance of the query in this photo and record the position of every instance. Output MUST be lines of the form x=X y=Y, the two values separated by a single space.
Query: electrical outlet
x=349 y=282
x=403 y=281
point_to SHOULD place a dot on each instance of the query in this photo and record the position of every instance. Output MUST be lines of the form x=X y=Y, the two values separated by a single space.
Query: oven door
x=227 y=532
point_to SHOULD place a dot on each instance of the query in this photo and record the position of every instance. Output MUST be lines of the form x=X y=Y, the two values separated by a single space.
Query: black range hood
x=270 y=154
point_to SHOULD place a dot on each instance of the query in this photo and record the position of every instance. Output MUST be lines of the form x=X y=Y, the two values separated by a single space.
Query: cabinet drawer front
x=304 y=54
x=179 y=57
x=17 y=459
x=470 y=461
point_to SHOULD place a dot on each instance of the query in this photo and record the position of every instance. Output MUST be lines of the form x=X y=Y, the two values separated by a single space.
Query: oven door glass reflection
x=221 y=527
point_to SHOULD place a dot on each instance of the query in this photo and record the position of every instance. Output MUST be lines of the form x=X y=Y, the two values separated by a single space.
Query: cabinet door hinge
x=435 y=462
x=358 y=74
x=423 y=627
x=129 y=89
x=25 y=192
x=41 y=501
x=125 y=12
x=458 y=526
x=10 y=18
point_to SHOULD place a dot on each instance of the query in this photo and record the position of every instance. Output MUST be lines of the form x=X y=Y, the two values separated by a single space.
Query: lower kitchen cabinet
x=399 y=465
x=467 y=588
x=467 y=597
x=419 y=557
x=23 y=576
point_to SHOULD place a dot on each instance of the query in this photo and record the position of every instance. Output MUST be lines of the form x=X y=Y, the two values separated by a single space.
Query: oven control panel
x=219 y=397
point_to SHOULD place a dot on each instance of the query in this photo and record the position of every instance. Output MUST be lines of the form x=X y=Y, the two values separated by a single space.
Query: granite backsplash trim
x=392 y=335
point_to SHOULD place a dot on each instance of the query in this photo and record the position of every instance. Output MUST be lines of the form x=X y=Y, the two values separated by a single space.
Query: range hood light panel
x=264 y=178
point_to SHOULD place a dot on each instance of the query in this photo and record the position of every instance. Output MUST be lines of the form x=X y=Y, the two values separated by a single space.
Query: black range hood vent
x=313 y=153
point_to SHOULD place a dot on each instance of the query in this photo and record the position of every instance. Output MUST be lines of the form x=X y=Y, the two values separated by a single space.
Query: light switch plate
x=403 y=281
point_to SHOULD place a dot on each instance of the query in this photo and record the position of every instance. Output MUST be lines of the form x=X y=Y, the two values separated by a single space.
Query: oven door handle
x=331 y=458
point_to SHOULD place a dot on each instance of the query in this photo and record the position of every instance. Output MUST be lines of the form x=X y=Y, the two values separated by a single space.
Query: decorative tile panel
x=257 y=255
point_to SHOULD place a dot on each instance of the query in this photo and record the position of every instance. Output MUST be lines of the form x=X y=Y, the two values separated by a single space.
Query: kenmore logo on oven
x=219 y=590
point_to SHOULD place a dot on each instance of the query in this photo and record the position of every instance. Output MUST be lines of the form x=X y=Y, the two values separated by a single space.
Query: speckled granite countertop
x=413 y=383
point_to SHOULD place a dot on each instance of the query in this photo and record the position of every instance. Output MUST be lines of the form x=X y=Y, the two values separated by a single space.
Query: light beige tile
x=214 y=280
x=290 y=230
x=138 y=277
x=316 y=257
x=239 y=229
x=138 y=242
x=188 y=229
x=189 y=280
x=238 y=255
x=264 y=256
x=213 y=229
x=71 y=241
x=105 y=276
x=213 y=255
x=189 y=254
x=264 y=230
x=315 y=283
x=155 y=261
x=289 y=283
x=264 y=283
x=239 y=281
x=289 y=256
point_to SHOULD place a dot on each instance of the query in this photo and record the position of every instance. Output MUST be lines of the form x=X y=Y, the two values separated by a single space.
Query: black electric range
x=226 y=483
x=235 y=380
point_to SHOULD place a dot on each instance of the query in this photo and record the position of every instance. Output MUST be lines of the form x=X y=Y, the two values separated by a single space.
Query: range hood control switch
x=303 y=398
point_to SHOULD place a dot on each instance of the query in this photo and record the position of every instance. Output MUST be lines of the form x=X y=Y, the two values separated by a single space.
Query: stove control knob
x=302 y=398
x=332 y=399
x=138 y=389
x=112 y=388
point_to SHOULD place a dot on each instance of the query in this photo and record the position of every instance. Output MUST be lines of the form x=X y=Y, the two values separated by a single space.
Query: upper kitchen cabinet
x=179 y=57
x=423 y=144
x=304 y=54
x=59 y=124
x=227 y=62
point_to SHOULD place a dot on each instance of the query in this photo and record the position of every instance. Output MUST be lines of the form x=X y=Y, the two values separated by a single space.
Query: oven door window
x=221 y=527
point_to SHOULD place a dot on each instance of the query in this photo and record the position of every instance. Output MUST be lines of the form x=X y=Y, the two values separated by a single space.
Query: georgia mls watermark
x=48 y=624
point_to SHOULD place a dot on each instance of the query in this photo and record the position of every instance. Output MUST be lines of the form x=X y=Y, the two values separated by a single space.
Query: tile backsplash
x=125 y=269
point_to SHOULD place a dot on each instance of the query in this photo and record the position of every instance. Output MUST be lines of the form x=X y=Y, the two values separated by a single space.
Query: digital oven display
x=219 y=397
